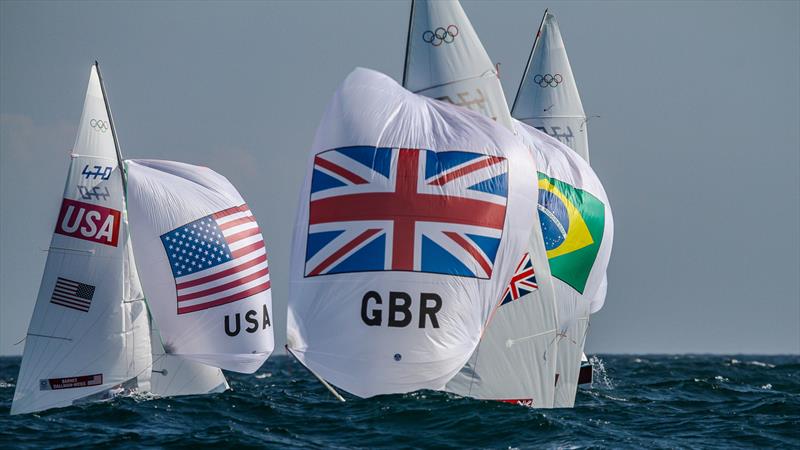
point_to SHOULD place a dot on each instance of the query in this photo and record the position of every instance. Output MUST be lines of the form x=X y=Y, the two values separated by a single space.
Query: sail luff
x=113 y=127
x=408 y=41
x=530 y=58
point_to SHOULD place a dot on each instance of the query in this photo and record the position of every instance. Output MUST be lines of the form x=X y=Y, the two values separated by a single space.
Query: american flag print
x=72 y=294
x=404 y=209
x=217 y=259
x=523 y=282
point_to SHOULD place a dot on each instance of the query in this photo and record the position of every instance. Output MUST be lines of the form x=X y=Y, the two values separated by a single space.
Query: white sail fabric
x=445 y=60
x=548 y=96
x=409 y=227
x=578 y=228
x=173 y=375
x=85 y=338
x=515 y=360
x=203 y=264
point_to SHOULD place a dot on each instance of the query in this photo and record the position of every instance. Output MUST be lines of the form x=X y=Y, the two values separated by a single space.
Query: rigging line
x=44 y=336
x=511 y=342
x=321 y=380
x=408 y=44
x=530 y=58
x=455 y=81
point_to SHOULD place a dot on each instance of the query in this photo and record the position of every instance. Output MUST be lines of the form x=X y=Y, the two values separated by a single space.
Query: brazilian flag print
x=572 y=224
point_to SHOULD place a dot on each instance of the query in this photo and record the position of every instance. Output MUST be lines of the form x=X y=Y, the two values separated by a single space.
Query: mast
x=124 y=176
x=530 y=58
x=408 y=42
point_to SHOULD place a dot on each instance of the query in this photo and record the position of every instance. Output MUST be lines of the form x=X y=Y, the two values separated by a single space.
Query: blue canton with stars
x=196 y=246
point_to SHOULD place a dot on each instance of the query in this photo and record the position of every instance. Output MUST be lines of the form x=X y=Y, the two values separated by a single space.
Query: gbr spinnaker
x=203 y=262
x=409 y=219
x=89 y=336
x=515 y=360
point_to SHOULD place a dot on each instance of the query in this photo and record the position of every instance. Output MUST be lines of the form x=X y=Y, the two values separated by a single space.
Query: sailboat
x=516 y=358
x=91 y=336
x=548 y=100
x=410 y=216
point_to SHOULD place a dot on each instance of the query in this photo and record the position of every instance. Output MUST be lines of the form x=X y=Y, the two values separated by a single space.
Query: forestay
x=203 y=264
x=578 y=232
x=548 y=97
x=446 y=61
x=409 y=227
x=88 y=336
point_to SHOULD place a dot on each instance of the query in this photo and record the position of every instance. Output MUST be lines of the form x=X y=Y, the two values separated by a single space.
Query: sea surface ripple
x=636 y=401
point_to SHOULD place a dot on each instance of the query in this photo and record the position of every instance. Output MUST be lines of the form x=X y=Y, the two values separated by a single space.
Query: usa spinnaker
x=89 y=337
x=408 y=219
x=203 y=264
x=515 y=360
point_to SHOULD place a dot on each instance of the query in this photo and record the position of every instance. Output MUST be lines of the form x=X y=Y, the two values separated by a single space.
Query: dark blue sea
x=636 y=401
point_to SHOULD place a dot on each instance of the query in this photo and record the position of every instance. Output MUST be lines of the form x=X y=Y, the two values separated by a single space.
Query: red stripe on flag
x=247 y=249
x=236 y=222
x=223 y=274
x=450 y=176
x=224 y=287
x=342 y=251
x=339 y=170
x=238 y=296
x=471 y=250
x=242 y=234
x=229 y=211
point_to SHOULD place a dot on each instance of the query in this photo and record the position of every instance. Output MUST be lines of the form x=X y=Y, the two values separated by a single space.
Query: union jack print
x=402 y=209
x=523 y=282
x=217 y=259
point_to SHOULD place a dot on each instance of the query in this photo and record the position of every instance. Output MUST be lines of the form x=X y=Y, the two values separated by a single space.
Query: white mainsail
x=515 y=360
x=88 y=336
x=445 y=60
x=409 y=227
x=203 y=264
x=577 y=226
x=548 y=98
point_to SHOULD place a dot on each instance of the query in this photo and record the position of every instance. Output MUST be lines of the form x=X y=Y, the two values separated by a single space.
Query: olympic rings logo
x=548 y=80
x=99 y=125
x=440 y=35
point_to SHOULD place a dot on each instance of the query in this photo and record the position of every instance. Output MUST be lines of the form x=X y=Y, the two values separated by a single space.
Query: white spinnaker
x=548 y=97
x=333 y=327
x=173 y=375
x=445 y=60
x=203 y=264
x=515 y=359
x=578 y=230
x=85 y=337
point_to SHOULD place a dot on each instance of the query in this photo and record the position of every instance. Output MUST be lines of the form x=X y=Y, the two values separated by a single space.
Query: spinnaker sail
x=578 y=230
x=515 y=360
x=203 y=264
x=88 y=337
x=410 y=216
x=445 y=60
x=548 y=98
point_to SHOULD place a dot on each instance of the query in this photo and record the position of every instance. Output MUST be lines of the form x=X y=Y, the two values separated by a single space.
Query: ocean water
x=636 y=401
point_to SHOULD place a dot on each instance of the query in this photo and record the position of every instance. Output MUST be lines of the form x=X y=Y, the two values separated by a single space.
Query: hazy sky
x=697 y=143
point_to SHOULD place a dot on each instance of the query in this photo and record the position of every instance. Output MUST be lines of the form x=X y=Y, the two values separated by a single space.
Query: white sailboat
x=548 y=100
x=515 y=360
x=410 y=216
x=90 y=337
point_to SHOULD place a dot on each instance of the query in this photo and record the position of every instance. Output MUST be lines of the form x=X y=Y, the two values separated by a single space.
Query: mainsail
x=445 y=60
x=578 y=231
x=548 y=97
x=203 y=263
x=515 y=360
x=88 y=337
x=410 y=216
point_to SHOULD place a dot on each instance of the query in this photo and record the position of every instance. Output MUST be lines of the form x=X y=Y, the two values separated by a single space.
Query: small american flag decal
x=72 y=294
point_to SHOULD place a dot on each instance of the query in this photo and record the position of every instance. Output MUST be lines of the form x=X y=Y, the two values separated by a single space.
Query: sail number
x=398 y=310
